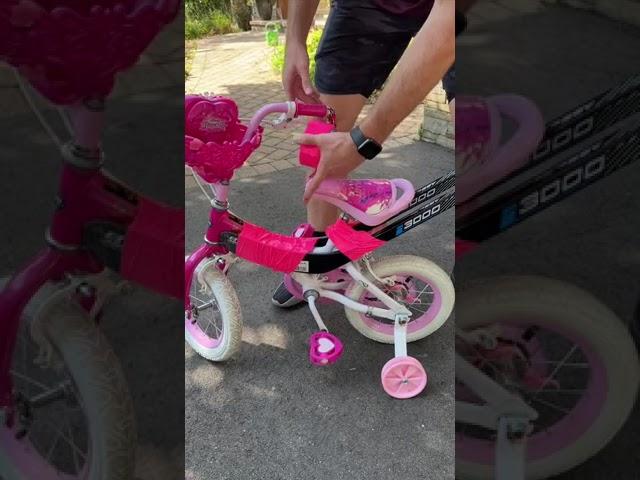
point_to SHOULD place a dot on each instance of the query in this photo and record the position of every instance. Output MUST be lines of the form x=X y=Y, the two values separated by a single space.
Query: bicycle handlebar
x=291 y=109
x=311 y=110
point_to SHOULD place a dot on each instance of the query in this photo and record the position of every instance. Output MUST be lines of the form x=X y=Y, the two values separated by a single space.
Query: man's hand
x=339 y=157
x=295 y=77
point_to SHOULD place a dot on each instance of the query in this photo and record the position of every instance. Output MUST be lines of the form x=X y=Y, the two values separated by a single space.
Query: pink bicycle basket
x=71 y=50
x=213 y=137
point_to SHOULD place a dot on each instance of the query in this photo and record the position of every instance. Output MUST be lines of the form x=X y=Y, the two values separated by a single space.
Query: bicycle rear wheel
x=564 y=353
x=419 y=284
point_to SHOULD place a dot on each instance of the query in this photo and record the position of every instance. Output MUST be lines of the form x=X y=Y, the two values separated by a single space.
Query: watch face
x=369 y=149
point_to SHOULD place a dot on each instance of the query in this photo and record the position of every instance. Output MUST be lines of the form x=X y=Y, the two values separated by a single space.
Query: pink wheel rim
x=403 y=377
x=30 y=462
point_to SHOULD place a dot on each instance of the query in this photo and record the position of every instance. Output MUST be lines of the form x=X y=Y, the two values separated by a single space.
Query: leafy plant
x=207 y=17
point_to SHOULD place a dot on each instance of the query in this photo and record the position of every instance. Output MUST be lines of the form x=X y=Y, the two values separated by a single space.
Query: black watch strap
x=367 y=147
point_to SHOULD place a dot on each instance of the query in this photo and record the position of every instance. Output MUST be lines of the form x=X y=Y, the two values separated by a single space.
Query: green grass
x=201 y=24
x=313 y=40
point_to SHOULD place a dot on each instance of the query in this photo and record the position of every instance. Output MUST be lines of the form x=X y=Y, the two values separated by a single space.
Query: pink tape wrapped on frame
x=353 y=243
x=153 y=250
x=278 y=252
x=70 y=50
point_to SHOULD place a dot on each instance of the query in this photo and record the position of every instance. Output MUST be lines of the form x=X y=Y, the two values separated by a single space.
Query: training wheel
x=324 y=348
x=403 y=377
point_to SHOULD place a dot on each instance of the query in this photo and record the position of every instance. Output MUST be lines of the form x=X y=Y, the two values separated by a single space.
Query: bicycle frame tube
x=87 y=195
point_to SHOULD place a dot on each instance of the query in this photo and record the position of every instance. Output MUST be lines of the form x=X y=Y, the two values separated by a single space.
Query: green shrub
x=207 y=17
x=214 y=23
x=199 y=8
x=313 y=40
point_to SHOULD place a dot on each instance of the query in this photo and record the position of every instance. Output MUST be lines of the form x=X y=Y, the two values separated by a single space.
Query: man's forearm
x=299 y=19
x=423 y=64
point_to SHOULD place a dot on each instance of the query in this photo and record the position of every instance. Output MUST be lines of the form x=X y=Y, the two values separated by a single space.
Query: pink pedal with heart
x=324 y=348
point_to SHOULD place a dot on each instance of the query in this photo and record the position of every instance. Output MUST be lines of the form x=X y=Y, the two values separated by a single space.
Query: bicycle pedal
x=324 y=349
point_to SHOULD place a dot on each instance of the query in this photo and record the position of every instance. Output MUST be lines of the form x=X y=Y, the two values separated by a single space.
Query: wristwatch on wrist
x=367 y=147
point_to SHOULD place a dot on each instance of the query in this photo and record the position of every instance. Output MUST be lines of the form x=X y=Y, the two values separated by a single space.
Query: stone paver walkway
x=238 y=65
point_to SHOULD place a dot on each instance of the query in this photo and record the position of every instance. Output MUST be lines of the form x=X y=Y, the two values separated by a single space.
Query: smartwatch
x=367 y=147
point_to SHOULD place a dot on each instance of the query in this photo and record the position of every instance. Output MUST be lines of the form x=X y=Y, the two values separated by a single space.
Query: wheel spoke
x=29 y=380
x=558 y=367
x=67 y=440
x=550 y=405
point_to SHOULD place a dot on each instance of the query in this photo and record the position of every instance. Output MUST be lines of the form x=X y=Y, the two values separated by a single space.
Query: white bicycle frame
x=504 y=412
x=315 y=287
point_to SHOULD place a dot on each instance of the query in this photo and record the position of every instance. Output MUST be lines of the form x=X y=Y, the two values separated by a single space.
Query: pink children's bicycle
x=395 y=300
x=65 y=409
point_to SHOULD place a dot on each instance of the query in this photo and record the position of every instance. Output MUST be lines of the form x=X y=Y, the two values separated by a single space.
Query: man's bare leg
x=321 y=214
x=347 y=107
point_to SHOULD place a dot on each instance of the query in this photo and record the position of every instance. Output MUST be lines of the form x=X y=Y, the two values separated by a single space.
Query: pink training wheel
x=403 y=377
x=324 y=349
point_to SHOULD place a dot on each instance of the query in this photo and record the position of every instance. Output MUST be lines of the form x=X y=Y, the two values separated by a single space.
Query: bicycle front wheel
x=74 y=414
x=213 y=319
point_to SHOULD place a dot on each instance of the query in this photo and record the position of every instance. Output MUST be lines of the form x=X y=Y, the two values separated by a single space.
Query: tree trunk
x=241 y=11
x=265 y=9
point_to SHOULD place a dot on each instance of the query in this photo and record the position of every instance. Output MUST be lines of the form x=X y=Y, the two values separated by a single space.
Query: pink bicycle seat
x=480 y=158
x=213 y=137
x=369 y=201
x=70 y=50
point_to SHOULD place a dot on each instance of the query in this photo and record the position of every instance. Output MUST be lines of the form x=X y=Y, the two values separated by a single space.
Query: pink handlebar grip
x=310 y=154
x=311 y=110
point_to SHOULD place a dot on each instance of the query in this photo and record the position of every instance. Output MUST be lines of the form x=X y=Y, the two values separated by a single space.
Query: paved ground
x=270 y=414
x=144 y=148
x=560 y=57
x=238 y=66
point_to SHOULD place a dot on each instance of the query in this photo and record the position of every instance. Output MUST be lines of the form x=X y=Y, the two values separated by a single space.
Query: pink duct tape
x=153 y=250
x=281 y=253
x=353 y=243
